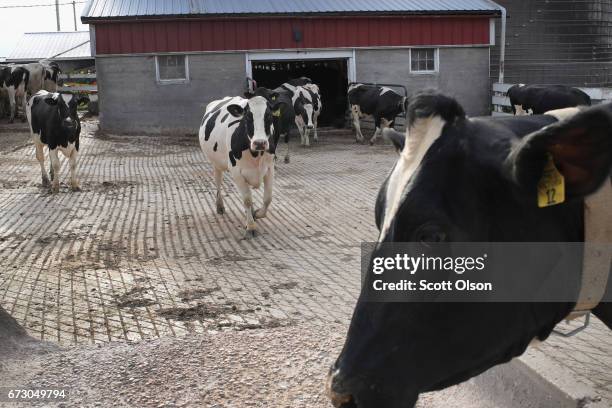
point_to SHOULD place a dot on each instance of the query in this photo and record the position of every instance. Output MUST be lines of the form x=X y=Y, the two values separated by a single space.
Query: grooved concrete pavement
x=140 y=253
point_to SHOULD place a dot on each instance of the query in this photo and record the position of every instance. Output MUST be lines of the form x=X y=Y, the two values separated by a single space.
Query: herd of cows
x=457 y=179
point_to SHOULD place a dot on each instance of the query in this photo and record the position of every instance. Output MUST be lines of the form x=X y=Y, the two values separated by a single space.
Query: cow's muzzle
x=260 y=145
x=339 y=397
x=310 y=127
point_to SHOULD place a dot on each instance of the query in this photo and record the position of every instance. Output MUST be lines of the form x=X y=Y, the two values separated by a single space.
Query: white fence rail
x=500 y=100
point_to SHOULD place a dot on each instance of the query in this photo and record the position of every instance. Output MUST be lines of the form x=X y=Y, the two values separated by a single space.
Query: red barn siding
x=277 y=33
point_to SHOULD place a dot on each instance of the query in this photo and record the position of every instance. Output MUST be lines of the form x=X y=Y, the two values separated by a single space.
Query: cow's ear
x=397 y=138
x=249 y=95
x=236 y=110
x=574 y=154
x=82 y=99
x=274 y=96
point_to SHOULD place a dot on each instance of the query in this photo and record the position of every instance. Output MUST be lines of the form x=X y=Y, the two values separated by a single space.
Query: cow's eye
x=430 y=233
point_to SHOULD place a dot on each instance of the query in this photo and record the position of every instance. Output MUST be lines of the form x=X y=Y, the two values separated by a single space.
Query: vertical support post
x=74 y=14
x=57 y=14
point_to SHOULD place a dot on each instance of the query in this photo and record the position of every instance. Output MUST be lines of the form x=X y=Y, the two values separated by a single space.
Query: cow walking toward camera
x=236 y=136
x=54 y=122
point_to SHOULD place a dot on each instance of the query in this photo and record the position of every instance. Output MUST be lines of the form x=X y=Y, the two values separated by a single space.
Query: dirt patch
x=134 y=298
x=198 y=312
x=13 y=184
x=284 y=286
x=108 y=186
x=229 y=257
x=194 y=294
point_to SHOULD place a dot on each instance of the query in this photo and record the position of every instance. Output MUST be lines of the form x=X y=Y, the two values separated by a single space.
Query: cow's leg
x=40 y=156
x=55 y=165
x=315 y=121
x=247 y=201
x=358 y=134
x=378 y=131
x=74 y=180
x=267 y=196
x=11 y=95
x=219 y=183
x=306 y=137
x=287 y=158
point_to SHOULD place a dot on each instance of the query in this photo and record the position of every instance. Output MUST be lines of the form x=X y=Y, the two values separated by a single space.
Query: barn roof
x=68 y=45
x=127 y=9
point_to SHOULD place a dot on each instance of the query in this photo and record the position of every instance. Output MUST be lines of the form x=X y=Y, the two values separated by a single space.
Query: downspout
x=502 y=49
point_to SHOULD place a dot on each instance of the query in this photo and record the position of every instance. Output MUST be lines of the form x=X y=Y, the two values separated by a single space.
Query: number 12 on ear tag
x=551 y=187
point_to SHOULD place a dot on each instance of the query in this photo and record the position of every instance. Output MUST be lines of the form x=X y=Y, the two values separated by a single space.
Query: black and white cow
x=379 y=103
x=54 y=122
x=283 y=115
x=538 y=99
x=301 y=81
x=14 y=80
x=460 y=179
x=236 y=136
x=317 y=106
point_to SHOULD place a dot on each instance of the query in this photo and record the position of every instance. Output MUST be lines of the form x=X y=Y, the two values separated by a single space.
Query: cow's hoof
x=371 y=143
x=250 y=233
x=287 y=159
x=55 y=189
x=46 y=182
x=220 y=210
x=259 y=214
x=76 y=189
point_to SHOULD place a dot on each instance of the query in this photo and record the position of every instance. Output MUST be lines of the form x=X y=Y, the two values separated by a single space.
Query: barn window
x=172 y=68
x=423 y=60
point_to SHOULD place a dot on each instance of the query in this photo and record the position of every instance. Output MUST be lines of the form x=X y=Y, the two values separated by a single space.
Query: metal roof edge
x=432 y=13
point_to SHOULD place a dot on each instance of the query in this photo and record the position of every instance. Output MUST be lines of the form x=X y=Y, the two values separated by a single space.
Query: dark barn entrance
x=330 y=74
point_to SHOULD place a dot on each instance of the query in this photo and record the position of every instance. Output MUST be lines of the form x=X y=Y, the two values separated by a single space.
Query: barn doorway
x=331 y=74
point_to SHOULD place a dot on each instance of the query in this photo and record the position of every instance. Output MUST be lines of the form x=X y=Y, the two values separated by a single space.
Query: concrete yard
x=139 y=262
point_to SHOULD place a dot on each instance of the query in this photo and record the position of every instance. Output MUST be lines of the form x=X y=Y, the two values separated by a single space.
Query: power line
x=39 y=5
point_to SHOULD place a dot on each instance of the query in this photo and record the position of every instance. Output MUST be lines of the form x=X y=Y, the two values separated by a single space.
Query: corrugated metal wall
x=278 y=33
x=557 y=42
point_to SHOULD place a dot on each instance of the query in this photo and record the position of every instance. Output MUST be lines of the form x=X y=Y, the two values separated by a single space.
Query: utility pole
x=57 y=14
x=74 y=14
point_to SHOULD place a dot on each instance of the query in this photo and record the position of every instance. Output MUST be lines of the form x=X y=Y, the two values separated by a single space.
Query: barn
x=159 y=63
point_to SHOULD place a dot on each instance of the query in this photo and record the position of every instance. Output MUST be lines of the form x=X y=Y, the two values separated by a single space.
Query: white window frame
x=171 y=81
x=436 y=61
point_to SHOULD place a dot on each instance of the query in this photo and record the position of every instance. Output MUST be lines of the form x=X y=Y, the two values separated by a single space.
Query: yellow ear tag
x=276 y=113
x=551 y=188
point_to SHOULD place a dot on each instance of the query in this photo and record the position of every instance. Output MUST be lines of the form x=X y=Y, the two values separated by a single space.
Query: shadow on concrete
x=14 y=340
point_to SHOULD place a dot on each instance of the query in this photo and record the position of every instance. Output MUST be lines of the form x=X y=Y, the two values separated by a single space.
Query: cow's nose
x=310 y=127
x=259 y=145
x=337 y=392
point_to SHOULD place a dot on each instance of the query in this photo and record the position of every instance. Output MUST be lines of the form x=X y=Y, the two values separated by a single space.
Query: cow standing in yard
x=54 y=122
x=43 y=75
x=379 y=103
x=317 y=106
x=539 y=99
x=236 y=136
x=460 y=179
x=14 y=79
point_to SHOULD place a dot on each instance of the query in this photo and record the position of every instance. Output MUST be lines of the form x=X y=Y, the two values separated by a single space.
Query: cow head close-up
x=256 y=118
x=460 y=179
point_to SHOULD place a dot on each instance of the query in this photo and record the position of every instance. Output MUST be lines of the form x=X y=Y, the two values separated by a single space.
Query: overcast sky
x=16 y=21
